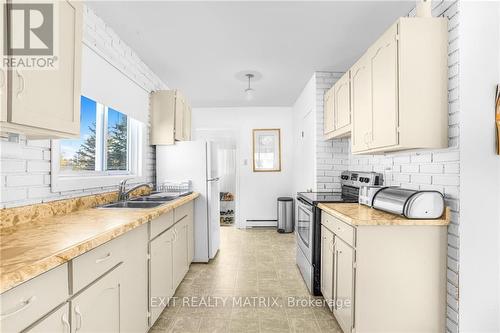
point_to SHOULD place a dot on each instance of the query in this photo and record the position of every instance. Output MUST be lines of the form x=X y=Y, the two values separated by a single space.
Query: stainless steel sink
x=133 y=204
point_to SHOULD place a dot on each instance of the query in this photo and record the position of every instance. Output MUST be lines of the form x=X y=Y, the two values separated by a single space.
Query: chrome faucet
x=123 y=194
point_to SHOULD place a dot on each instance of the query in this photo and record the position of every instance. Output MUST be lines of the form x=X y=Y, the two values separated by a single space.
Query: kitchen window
x=108 y=150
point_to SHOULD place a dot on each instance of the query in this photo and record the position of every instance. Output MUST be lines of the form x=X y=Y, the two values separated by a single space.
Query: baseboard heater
x=261 y=223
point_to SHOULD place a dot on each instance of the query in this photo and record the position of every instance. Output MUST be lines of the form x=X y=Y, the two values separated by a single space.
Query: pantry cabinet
x=32 y=108
x=170 y=117
x=399 y=89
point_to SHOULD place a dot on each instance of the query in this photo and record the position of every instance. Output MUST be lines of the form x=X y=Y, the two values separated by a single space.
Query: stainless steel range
x=308 y=231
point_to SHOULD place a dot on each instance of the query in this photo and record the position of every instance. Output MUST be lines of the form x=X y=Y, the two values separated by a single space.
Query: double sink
x=151 y=201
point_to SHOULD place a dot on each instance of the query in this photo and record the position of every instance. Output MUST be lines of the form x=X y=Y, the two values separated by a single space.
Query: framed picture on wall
x=266 y=150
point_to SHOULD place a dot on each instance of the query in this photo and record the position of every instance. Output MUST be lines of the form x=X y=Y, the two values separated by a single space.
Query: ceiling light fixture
x=249 y=92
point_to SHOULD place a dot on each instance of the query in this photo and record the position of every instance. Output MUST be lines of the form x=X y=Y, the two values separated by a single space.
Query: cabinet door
x=342 y=103
x=180 y=252
x=344 y=284
x=384 y=63
x=327 y=265
x=361 y=104
x=328 y=112
x=57 y=322
x=160 y=274
x=3 y=71
x=97 y=309
x=180 y=105
x=50 y=99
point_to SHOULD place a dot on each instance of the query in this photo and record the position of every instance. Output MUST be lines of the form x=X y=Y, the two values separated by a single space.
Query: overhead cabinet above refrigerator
x=170 y=117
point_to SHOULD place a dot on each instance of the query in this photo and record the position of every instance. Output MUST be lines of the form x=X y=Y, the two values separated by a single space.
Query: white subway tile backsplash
x=431 y=168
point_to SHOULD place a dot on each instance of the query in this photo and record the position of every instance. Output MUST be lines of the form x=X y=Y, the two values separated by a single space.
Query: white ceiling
x=199 y=47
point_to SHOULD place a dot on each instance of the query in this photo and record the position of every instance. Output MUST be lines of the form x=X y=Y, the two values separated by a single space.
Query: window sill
x=69 y=183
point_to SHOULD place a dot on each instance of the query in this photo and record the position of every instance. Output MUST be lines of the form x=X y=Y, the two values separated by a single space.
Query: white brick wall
x=331 y=155
x=25 y=165
x=422 y=169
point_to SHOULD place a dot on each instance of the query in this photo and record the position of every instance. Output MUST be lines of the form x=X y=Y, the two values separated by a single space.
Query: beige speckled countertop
x=357 y=214
x=32 y=248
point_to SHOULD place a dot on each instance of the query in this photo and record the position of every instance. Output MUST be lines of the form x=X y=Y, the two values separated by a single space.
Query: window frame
x=79 y=180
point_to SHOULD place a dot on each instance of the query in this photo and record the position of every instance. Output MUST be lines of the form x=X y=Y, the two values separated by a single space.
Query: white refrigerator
x=196 y=161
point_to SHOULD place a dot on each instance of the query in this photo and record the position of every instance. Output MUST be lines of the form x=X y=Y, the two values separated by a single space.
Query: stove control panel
x=358 y=179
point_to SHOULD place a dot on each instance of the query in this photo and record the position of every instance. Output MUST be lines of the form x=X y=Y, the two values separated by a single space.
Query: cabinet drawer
x=91 y=265
x=161 y=223
x=28 y=302
x=183 y=211
x=339 y=228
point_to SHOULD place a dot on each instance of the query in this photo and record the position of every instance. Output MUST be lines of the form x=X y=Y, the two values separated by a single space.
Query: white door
x=50 y=99
x=160 y=274
x=57 y=322
x=97 y=309
x=384 y=62
x=214 y=216
x=344 y=284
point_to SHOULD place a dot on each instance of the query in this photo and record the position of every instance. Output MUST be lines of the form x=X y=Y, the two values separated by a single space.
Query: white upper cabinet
x=399 y=91
x=170 y=117
x=342 y=106
x=361 y=102
x=337 y=110
x=45 y=103
x=384 y=65
x=328 y=117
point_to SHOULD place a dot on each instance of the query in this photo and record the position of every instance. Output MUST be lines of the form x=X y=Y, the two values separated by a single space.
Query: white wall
x=25 y=165
x=480 y=168
x=304 y=155
x=257 y=191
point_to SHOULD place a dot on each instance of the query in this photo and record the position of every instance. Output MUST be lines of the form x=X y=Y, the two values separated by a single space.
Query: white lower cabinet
x=343 y=284
x=327 y=265
x=180 y=252
x=97 y=308
x=26 y=304
x=384 y=278
x=160 y=273
x=120 y=286
x=56 y=322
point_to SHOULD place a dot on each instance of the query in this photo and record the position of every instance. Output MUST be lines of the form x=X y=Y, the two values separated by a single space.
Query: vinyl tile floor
x=253 y=285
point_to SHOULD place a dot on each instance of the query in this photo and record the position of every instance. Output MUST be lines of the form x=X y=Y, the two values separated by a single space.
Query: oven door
x=305 y=229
